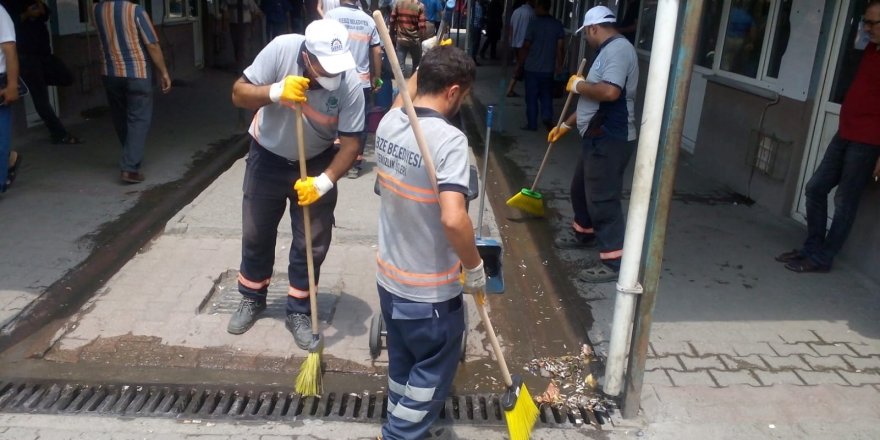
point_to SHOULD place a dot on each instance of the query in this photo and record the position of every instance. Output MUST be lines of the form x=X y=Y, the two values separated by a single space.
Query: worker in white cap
x=315 y=71
x=605 y=119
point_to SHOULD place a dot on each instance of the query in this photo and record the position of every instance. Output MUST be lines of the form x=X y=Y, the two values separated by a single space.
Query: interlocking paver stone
x=743 y=362
x=657 y=377
x=664 y=348
x=704 y=348
x=861 y=378
x=666 y=362
x=694 y=363
x=821 y=377
x=863 y=363
x=783 y=349
x=866 y=349
x=728 y=378
x=761 y=348
x=834 y=362
x=691 y=378
x=830 y=349
x=786 y=362
x=778 y=377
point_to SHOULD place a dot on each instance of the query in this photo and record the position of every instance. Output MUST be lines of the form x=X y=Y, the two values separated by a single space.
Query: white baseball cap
x=598 y=15
x=327 y=39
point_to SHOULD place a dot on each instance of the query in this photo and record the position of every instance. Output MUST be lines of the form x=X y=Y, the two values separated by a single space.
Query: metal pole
x=664 y=180
x=628 y=287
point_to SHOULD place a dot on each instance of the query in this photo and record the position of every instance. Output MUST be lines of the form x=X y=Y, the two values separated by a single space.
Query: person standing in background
x=277 y=14
x=433 y=14
x=494 y=23
x=40 y=68
x=127 y=37
x=477 y=23
x=851 y=161
x=8 y=95
x=408 y=30
x=543 y=53
x=519 y=24
x=241 y=29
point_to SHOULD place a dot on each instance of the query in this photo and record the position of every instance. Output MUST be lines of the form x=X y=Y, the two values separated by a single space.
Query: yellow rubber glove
x=558 y=132
x=291 y=89
x=310 y=189
x=573 y=81
x=446 y=42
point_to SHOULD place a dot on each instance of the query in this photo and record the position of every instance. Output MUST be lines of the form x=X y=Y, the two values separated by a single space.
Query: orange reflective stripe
x=406 y=186
x=358 y=36
x=581 y=229
x=255 y=285
x=611 y=255
x=296 y=293
x=407 y=196
x=403 y=277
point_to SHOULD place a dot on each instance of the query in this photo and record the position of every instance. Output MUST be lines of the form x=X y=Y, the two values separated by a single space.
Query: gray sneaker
x=300 y=326
x=575 y=241
x=245 y=316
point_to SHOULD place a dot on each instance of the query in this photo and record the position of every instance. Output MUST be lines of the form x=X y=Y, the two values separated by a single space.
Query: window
x=744 y=37
x=177 y=10
x=708 y=40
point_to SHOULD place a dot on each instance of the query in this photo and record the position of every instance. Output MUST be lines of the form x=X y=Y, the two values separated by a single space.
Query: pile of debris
x=572 y=384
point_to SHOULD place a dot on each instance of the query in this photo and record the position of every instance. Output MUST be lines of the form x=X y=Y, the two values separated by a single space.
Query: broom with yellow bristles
x=308 y=381
x=519 y=408
x=528 y=199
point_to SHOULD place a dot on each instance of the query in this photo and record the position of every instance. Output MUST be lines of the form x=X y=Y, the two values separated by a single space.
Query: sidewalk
x=738 y=342
x=66 y=198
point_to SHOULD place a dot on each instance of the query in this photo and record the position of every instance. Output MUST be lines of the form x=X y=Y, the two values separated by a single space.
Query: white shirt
x=519 y=24
x=7 y=34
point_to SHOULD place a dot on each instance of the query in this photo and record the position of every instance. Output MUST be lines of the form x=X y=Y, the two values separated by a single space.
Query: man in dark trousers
x=426 y=241
x=605 y=119
x=851 y=161
x=39 y=68
x=543 y=55
x=316 y=71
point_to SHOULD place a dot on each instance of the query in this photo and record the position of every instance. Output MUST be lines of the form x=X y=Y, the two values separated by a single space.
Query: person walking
x=605 y=119
x=494 y=23
x=40 y=68
x=240 y=16
x=851 y=161
x=367 y=52
x=477 y=23
x=424 y=243
x=543 y=53
x=8 y=94
x=130 y=47
x=408 y=30
x=519 y=24
x=315 y=71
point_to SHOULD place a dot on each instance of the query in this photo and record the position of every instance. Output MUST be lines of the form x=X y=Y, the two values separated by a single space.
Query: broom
x=528 y=199
x=519 y=408
x=308 y=381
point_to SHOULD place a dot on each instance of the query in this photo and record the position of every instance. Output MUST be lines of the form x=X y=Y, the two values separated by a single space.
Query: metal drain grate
x=241 y=404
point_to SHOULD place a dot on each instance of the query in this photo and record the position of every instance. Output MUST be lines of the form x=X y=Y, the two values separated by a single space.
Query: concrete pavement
x=741 y=348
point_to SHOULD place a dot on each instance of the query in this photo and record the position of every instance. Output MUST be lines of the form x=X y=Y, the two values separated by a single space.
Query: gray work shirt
x=327 y=114
x=615 y=64
x=415 y=259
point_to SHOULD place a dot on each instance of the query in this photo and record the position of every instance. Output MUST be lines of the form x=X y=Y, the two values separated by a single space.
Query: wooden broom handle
x=480 y=301
x=568 y=101
x=307 y=221
x=407 y=100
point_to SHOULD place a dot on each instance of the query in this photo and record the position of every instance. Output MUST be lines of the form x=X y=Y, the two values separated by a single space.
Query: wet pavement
x=739 y=344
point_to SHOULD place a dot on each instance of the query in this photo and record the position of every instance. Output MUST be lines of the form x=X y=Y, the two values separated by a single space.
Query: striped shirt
x=124 y=29
x=408 y=20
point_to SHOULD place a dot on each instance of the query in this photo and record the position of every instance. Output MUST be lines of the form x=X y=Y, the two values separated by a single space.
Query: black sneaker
x=300 y=326
x=575 y=241
x=243 y=318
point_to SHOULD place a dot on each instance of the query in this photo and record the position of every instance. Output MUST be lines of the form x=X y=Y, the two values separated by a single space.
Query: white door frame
x=822 y=106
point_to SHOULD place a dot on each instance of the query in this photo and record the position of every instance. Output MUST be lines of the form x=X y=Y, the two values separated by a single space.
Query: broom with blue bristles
x=519 y=408
x=530 y=200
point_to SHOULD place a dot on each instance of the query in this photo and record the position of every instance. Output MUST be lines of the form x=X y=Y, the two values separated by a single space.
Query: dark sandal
x=13 y=170
x=67 y=140
x=598 y=273
x=789 y=256
x=806 y=265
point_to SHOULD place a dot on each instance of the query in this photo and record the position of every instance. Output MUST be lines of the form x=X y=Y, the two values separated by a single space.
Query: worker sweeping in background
x=605 y=119
x=317 y=72
x=424 y=243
